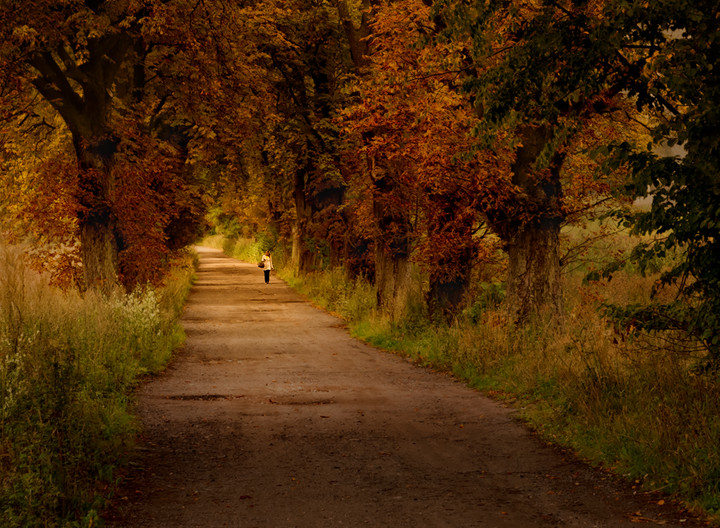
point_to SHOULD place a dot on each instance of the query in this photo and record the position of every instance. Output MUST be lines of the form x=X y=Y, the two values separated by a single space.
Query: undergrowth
x=68 y=363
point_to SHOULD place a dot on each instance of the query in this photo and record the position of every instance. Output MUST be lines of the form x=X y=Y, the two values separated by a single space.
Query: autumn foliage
x=447 y=152
x=385 y=136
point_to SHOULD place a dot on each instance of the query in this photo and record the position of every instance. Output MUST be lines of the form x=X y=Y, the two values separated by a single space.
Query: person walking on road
x=267 y=260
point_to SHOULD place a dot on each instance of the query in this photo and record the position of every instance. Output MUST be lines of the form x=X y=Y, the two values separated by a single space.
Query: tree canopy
x=379 y=135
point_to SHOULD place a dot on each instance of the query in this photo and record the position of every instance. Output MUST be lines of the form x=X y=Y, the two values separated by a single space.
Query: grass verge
x=68 y=364
x=641 y=411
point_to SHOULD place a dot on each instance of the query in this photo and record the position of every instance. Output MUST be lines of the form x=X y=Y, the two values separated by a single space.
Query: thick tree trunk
x=447 y=294
x=392 y=278
x=392 y=248
x=450 y=233
x=302 y=258
x=99 y=255
x=99 y=240
x=86 y=111
x=533 y=281
x=358 y=258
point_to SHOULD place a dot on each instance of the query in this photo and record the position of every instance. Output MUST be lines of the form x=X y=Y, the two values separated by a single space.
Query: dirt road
x=272 y=416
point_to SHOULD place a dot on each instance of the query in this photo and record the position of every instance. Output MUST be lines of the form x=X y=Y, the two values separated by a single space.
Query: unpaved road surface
x=272 y=416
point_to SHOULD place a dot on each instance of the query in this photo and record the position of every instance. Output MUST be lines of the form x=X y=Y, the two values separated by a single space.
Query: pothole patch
x=298 y=401
x=202 y=397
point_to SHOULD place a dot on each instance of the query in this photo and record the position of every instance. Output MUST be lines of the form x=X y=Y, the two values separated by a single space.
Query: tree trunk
x=85 y=106
x=533 y=282
x=99 y=239
x=357 y=258
x=392 y=248
x=392 y=278
x=448 y=293
x=532 y=242
x=450 y=232
x=302 y=257
x=357 y=37
x=99 y=255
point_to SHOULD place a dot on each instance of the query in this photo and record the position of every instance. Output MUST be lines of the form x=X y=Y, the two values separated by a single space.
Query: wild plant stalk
x=68 y=363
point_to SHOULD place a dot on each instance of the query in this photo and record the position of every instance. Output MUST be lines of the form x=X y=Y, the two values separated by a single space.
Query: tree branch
x=71 y=67
x=657 y=97
x=54 y=86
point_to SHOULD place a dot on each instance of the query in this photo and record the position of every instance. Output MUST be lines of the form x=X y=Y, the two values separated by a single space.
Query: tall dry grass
x=68 y=363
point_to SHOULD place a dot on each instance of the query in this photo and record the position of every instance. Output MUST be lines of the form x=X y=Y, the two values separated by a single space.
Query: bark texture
x=302 y=257
x=451 y=236
x=448 y=293
x=357 y=36
x=392 y=247
x=531 y=230
x=81 y=94
x=99 y=239
x=392 y=278
x=533 y=282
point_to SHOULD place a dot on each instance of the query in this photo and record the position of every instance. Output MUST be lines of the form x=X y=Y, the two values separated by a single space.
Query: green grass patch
x=68 y=365
x=245 y=249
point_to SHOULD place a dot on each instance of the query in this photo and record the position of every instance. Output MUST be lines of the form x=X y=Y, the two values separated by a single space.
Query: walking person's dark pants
x=267 y=276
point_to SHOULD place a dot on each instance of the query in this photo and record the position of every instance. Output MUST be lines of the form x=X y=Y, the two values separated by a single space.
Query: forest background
x=524 y=193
